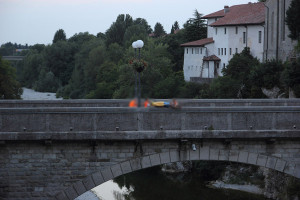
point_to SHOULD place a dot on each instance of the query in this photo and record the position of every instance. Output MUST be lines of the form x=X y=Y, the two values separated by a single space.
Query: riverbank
x=29 y=94
x=245 y=188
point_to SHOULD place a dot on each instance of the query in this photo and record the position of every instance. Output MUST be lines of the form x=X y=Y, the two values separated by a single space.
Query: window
x=197 y=51
x=244 y=37
x=230 y=51
x=218 y=51
x=222 y=51
x=201 y=50
x=216 y=31
x=272 y=28
x=283 y=16
x=236 y=50
x=259 y=36
x=187 y=51
x=225 y=51
x=236 y=30
x=192 y=50
x=223 y=65
x=225 y=31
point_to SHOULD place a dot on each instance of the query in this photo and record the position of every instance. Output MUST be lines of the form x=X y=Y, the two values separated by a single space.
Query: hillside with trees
x=89 y=66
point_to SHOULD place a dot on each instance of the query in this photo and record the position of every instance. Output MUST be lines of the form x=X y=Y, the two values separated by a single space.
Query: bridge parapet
x=61 y=119
x=45 y=148
x=125 y=102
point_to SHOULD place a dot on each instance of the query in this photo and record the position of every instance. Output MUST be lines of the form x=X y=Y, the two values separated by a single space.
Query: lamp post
x=138 y=45
x=135 y=88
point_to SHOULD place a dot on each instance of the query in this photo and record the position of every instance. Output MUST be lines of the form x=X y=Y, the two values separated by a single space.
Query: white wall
x=209 y=28
x=231 y=40
x=193 y=62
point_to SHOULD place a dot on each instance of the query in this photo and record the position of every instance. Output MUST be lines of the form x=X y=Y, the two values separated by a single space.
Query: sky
x=36 y=21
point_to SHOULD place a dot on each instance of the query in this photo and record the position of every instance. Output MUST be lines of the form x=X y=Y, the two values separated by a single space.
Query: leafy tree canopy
x=195 y=28
x=115 y=33
x=159 y=30
x=293 y=19
x=9 y=87
x=59 y=35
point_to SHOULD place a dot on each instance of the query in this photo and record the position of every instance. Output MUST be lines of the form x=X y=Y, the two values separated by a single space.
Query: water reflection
x=151 y=184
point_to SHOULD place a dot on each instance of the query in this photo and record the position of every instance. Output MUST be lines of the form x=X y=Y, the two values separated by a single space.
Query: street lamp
x=138 y=45
x=134 y=45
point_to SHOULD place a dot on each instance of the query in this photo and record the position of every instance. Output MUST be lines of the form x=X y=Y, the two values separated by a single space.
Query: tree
x=133 y=33
x=144 y=23
x=9 y=87
x=195 y=28
x=47 y=82
x=59 y=59
x=115 y=33
x=293 y=19
x=59 y=35
x=159 y=30
x=236 y=82
x=291 y=76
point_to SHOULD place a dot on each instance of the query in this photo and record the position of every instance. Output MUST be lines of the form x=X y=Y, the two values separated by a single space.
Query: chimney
x=226 y=9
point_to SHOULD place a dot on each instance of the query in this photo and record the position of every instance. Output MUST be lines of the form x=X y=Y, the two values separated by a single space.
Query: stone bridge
x=61 y=149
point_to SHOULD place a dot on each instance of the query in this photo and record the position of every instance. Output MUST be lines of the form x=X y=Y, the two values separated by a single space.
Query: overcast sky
x=36 y=21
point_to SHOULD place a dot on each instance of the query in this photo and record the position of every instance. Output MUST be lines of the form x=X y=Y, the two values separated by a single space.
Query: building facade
x=229 y=31
x=278 y=45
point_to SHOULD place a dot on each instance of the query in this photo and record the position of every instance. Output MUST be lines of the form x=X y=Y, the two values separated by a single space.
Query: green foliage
x=33 y=63
x=9 y=49
x=293 y=19
x=195 y=28
x=88 y=66
x=59 y=58
x=267 y=75
x=59 y=35
x=9 y=87
x=159 y=30
x=115 y=33
x=46 y=82
x=236 y=82
x=143 y=22
x=291 y=76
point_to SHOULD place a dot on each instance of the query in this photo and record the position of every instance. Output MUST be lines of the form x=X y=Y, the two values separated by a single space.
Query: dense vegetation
x=9 y=87
x=89 y=66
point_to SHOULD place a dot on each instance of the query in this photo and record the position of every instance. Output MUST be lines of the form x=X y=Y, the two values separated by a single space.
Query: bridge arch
x=174 y=155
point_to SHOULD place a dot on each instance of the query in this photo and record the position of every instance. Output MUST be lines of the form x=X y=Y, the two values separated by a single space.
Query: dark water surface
x=152 y=184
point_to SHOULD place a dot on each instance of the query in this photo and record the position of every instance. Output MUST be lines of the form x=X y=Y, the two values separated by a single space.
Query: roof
x=244 y=14
x=211 y=58
x=198 y=43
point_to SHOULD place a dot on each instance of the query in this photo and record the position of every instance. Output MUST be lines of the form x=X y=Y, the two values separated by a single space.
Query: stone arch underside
x=146 y=161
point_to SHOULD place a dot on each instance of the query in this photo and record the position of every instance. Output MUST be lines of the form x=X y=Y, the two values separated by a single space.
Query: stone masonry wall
x=40 y=170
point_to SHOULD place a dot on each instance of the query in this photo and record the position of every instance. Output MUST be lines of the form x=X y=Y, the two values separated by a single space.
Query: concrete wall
x=128 y=119
x=277 y=43
x=125 y=102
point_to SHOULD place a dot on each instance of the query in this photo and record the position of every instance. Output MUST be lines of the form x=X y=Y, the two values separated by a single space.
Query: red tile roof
x=245 y=14
x=211 y=58
x=198 y=43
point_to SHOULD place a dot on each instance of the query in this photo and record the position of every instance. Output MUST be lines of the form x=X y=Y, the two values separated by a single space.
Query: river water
x=152 y=183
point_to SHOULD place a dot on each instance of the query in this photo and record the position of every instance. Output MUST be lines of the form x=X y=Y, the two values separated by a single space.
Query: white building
x=229 y=31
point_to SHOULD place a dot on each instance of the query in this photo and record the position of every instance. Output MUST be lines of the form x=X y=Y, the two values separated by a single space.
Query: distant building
x=229 y=31
x=277 y=43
